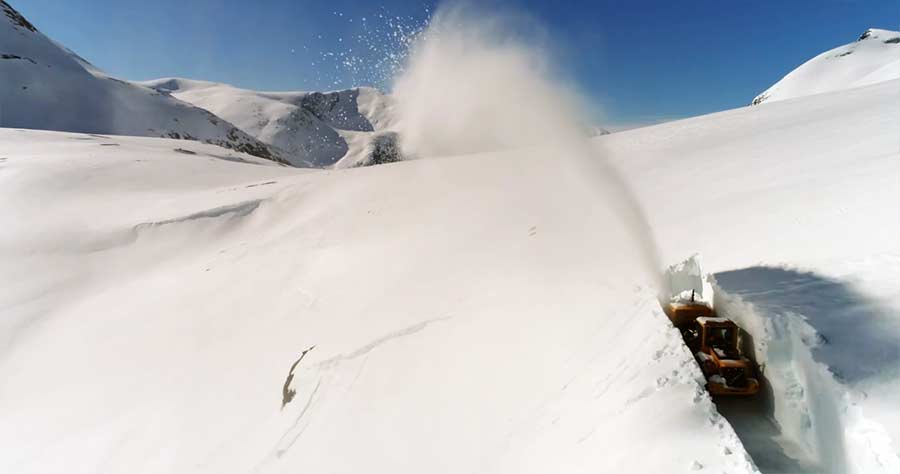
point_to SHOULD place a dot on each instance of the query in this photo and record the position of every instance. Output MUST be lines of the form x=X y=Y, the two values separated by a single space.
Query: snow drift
x=873 y=58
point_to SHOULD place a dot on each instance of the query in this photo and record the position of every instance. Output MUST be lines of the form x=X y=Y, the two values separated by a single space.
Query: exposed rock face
x=16 y=18
x=385 y=148
x=338 y=109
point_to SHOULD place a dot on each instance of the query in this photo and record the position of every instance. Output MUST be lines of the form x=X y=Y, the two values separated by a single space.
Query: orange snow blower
x=714 y=343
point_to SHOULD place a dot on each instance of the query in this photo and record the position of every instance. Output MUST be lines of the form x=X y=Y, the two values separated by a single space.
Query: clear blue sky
x=642 y=61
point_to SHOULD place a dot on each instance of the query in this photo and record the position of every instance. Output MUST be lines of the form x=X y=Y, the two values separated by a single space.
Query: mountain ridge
x=317 y=129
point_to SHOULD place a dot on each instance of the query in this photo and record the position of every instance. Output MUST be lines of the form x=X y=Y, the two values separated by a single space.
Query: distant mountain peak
x=875 y=33
x=874 y=57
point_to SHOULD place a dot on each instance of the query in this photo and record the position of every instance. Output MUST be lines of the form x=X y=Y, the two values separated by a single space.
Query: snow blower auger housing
x=714 y=343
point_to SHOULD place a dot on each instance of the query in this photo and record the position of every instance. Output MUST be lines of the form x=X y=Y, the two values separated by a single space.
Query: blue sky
x=640 y=61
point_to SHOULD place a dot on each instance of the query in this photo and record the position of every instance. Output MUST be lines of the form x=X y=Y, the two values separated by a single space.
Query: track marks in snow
x=291 y=439
x=260 y=184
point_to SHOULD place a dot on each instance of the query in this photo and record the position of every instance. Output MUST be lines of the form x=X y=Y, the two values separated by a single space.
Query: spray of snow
x=369 y=51
x=478 y=81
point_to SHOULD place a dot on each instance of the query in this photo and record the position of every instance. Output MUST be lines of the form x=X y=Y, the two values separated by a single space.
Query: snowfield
x=476 y=313
x=461 y=321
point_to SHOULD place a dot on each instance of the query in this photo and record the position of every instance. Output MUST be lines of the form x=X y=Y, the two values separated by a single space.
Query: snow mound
x=45 y=86
x=873 y=58
x=315 y=129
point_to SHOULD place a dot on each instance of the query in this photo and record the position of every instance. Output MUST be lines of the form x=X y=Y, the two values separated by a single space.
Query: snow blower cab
x=714 y=343
x=727 y=371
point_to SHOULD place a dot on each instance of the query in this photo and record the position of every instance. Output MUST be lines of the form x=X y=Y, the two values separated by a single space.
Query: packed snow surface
x=873 y=58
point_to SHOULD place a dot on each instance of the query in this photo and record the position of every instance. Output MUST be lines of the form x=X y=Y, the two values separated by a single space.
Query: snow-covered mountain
x=873 y=58
x=472 y=319
x=46 y=86
x=342 y=128
x=167 y=306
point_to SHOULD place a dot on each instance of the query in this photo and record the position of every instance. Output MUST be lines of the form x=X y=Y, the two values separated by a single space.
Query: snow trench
x=805 y=418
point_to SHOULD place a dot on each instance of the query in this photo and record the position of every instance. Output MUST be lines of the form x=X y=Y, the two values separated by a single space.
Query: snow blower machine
x=713 y=340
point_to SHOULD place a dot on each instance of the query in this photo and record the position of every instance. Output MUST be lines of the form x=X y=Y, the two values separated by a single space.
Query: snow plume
x=479 y=81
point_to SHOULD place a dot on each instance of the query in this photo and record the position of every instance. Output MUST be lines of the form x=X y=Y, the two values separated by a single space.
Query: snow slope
x=45 y=86
x=313 y=128
x=471 y=319
x=873 y=58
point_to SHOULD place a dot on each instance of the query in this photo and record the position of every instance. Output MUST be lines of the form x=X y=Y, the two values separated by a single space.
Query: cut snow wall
x=802 y=396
